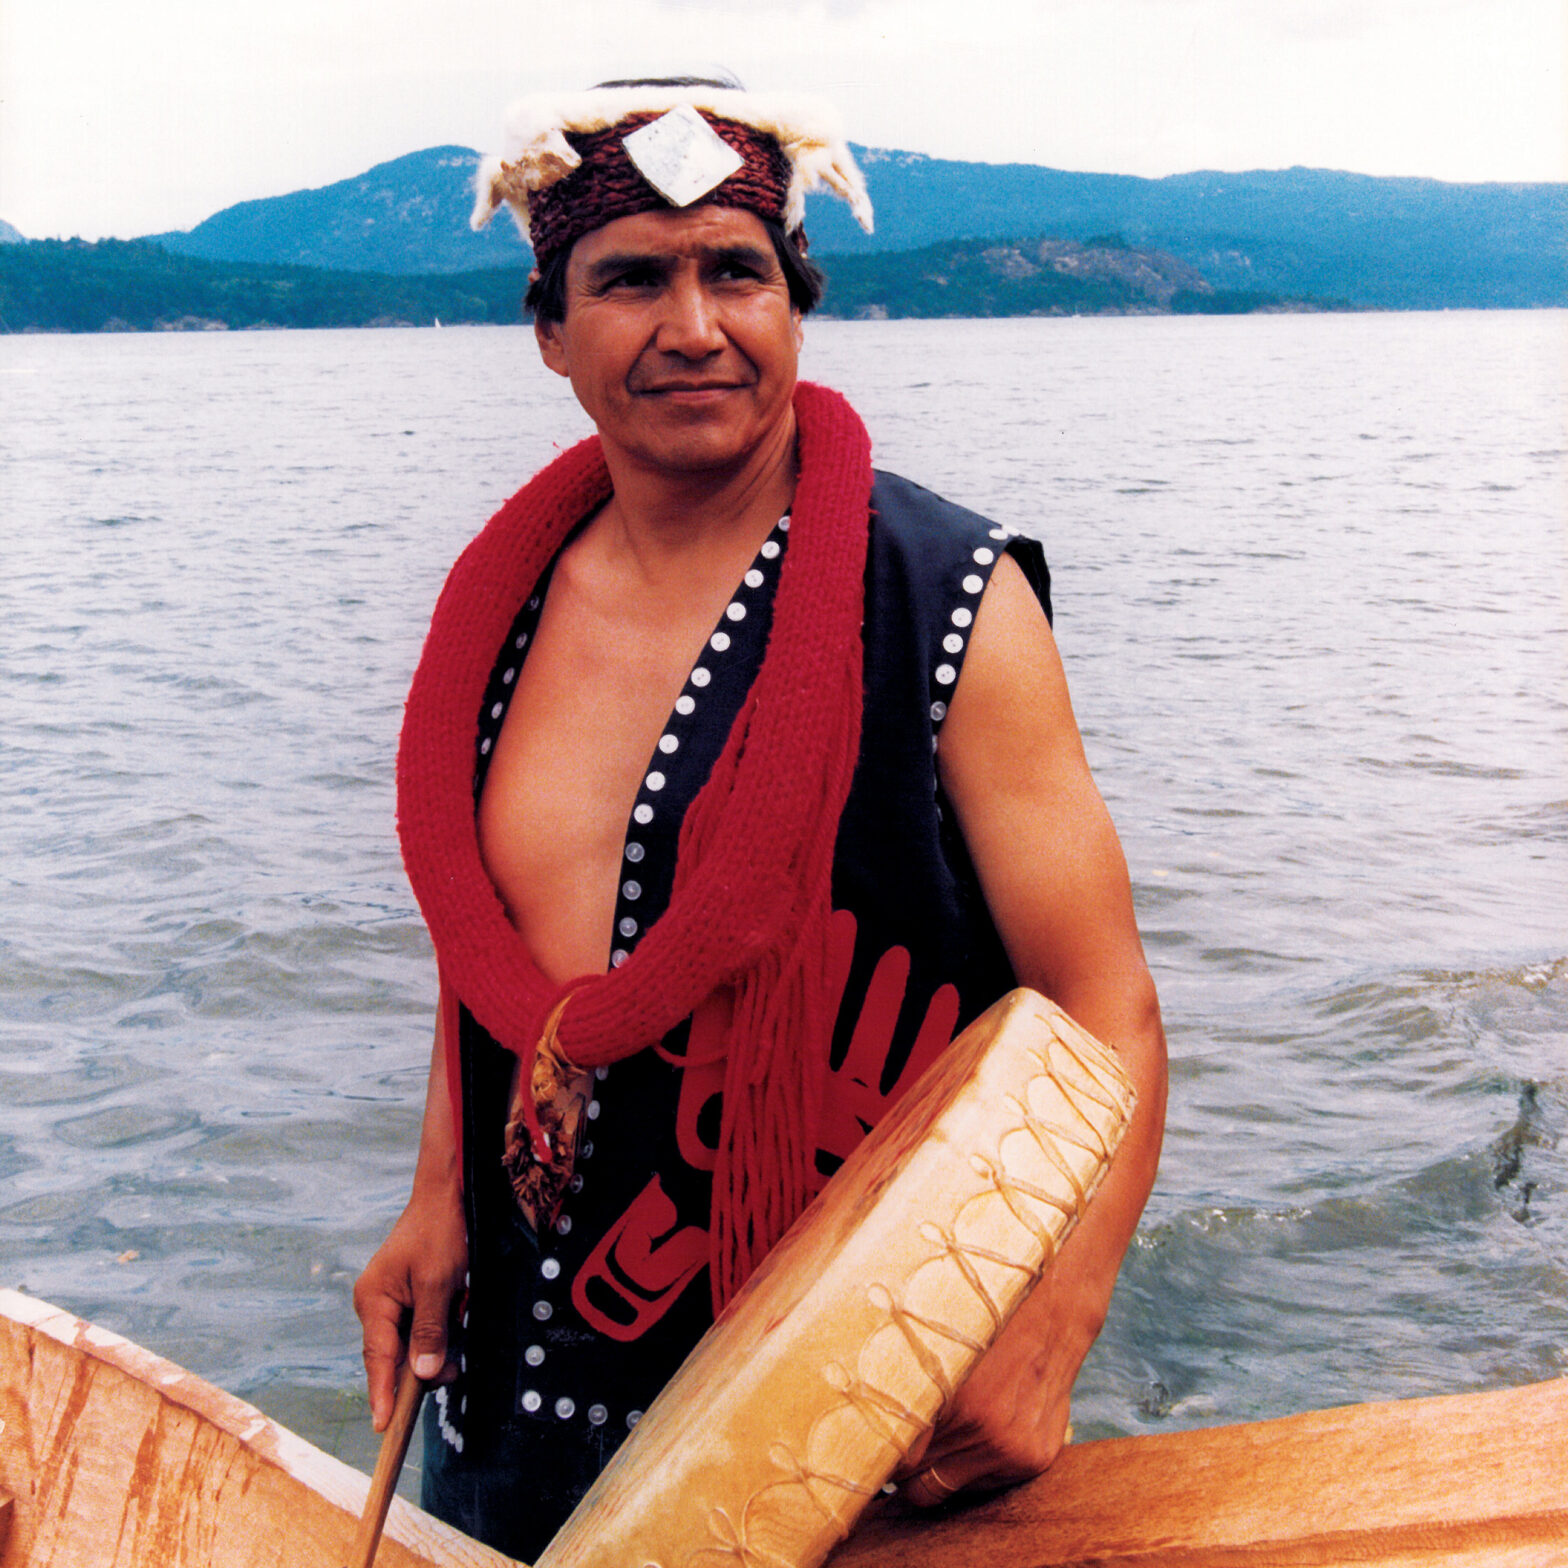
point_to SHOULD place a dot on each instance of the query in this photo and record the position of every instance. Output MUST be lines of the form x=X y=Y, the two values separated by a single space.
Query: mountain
x=10 y=236
x=1390 y=242
x=406 y=216
x=1383 y=242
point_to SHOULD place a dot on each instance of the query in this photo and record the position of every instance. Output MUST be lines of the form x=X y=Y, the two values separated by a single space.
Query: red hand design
x=853 y=1101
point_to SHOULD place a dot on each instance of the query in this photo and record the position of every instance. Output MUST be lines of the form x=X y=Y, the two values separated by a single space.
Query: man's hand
x=421 y=1267
x=1006 y=1424
x=414 y=1277
x=1009 y=1420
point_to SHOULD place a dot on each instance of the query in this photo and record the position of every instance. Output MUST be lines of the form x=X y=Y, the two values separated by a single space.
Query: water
x=1310 y=579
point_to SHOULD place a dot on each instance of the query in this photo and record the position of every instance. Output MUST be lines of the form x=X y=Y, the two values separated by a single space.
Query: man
x=676 y=992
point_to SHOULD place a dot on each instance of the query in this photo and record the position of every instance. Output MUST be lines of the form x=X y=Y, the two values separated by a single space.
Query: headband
x=579 y=161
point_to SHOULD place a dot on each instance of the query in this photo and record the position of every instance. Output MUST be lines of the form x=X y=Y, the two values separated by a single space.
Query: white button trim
x=719 y=642
x=973 y=584
x=945 y=675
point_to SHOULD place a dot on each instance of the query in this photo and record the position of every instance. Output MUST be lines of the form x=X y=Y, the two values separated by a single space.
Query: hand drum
x=843 y=1347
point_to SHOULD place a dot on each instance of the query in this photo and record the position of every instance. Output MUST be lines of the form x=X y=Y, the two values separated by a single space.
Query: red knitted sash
x=753 y=876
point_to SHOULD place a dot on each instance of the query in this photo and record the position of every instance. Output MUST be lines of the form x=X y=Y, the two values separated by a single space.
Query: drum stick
x=389 y=1465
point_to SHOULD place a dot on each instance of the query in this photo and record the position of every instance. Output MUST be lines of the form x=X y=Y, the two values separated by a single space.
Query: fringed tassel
x=776 y=1059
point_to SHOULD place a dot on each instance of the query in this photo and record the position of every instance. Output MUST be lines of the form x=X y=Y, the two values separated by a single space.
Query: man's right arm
x=421 y=1266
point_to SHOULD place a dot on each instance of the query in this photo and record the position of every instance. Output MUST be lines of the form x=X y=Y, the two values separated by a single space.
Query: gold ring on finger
x=934 y=1476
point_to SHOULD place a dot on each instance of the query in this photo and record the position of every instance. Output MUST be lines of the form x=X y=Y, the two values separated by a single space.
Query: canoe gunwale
x=1478 y=1478
x=90 y=1363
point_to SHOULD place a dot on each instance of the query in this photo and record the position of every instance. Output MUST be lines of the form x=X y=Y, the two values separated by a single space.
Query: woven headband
x=575 y=163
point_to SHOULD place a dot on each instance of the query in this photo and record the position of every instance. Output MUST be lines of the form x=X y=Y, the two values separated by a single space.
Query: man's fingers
x=383 y=1355
x=381 y=1384
x=427 y=1335
x=380 y=1316
x=381 y=1365
x=936 y=1472
x=937 y=1481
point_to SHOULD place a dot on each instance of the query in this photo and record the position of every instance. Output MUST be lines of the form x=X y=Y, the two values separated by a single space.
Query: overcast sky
x=124 y=117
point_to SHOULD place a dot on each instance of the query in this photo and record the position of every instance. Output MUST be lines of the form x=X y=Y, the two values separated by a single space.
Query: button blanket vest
x=753 y=881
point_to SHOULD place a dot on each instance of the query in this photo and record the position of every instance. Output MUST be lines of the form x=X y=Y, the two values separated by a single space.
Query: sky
x=124 y=118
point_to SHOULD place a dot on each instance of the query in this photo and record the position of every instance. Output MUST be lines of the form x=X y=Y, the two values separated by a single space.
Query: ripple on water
x=118 y=1127
x=1431 y=1282
x=1324 y=1222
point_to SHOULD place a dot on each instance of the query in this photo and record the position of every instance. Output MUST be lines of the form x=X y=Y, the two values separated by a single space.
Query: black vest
x=569 y=1336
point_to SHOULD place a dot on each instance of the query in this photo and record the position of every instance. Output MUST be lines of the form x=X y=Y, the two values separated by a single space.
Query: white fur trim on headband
x=538 y=153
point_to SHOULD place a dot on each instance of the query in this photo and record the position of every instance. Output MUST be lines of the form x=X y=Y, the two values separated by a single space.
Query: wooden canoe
x=113 y=1456
x=1473 y=1479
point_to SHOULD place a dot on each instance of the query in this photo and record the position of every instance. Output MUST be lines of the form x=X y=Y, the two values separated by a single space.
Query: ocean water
x=1311 y=578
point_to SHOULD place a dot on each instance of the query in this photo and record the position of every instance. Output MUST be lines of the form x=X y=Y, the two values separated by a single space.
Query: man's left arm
x=1055 y=881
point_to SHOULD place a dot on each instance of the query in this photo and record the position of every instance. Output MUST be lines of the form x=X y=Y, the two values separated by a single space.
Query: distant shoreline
x=138 y=286
x=825 y=318
x=113 y=286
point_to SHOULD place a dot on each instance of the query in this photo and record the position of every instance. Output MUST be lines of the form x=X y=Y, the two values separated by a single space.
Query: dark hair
x=546 y=296
x=726 y=80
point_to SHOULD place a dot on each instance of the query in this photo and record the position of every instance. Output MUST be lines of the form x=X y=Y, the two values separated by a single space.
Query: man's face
x=680 y=339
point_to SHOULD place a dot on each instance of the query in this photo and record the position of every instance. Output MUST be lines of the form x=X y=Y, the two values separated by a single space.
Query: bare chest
x=591 y=704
